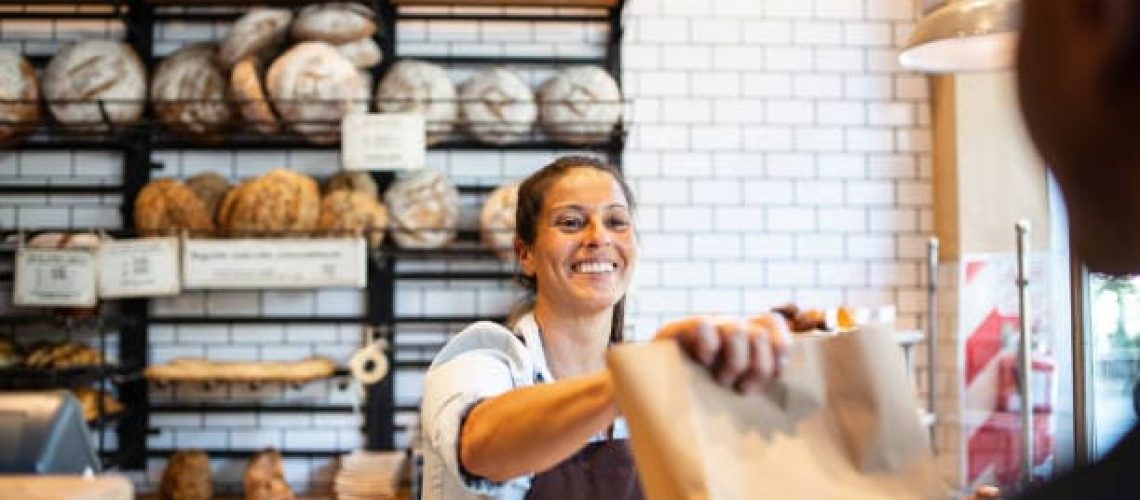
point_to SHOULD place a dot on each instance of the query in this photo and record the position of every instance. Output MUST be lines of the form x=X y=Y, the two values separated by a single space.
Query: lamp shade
x=964 y=35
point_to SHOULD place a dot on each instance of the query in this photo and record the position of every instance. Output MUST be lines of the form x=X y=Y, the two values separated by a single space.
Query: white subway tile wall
x=777 y=152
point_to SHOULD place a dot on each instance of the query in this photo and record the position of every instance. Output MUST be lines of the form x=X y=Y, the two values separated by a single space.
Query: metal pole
x=932 y=332
x=1024 y=361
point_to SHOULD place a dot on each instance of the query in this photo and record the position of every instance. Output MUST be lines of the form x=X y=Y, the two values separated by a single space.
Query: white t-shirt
x=482 y=361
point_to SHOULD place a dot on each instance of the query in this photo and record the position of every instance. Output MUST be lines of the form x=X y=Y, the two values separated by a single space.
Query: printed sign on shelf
x=383 y=141
x=138 y=268
x=55 y=278
x=276 y=263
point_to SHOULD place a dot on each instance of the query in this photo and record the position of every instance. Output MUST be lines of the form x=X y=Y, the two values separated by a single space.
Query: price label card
x=139 y=268
x=62 y=278
x=383 y=141
x=276 y=263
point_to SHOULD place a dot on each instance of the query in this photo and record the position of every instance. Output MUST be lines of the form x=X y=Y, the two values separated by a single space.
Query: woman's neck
x=574 y=344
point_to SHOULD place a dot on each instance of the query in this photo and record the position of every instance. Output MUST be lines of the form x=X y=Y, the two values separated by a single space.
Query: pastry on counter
x=412 y=86
x=186 y=477
x=167 y=206
x=247 y=87
x=190 y=91
x=313 y=87
x=19 y=83
x=580 y=105
x=89 y=401
x=83 y=73
x=497 y=106
x=344 y=211
x=265 y=477
x=211 y=188
x=202 y=370
x=497 y=220
x=280 y=202
x=352 y=180
x=257 y=31
x=334 y=22
x=423 y=209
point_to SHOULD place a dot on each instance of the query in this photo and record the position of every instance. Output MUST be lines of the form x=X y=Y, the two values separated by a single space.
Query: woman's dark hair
x=531 y=194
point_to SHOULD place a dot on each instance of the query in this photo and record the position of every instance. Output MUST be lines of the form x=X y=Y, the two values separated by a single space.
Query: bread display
x=18 y=86
x=363 y=53
x=497 y=220
x=211 y=188
x=334 y=22
x=186 y=477
x=412 y=86
x=255 y=32
x=353 y=180
x=65 y=240
x=248 y=91
x=344 y=211
x=264 y=478
x=313 y=87
x=279 y=202
x=497 y=106
x=90 y=399
x=199 y=369
x=62 y=355
x=166 y=206
x=190 y=91
x=423 y=209
x=84 y=73
x=580 y=105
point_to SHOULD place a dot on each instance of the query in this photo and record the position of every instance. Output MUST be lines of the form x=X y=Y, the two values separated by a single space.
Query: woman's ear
x=526 y=257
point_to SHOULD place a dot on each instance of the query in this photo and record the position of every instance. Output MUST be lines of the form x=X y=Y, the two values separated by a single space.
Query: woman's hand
x=740 y=354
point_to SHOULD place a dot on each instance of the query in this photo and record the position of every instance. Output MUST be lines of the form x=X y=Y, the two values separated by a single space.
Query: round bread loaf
x=348 y=211
x=423 y=209
x=211 y=188
x=190 y=91
x=497 y=106
x=166 y=206
x=248 y=92
x=265 y=477
x=580 y=105
x=412 y=86
x=257 y=31
x=84 y=73
x=353 y=180
x=497 y=220
x=18 y=85
x=334 y=22
x=363 y=53
x=279 y=202
x=313 y=87
x=187 y=477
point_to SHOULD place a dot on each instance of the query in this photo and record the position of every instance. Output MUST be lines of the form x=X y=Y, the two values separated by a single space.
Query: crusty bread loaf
x=412 y=86
x=257 y=31
x=248 y=91
x=198 y=369
x=280 y=202
x=211 y=188
x=423 y=209
x=363 y=53
x=334 y=22
x=497 y=220
x=265 y=477
x=313 y=87
x=190 y=91
x=83 y=73
x=497 y=106
x=19 y=86
x=352 y=180
x=166 y=206
x=580 y=105
x=187 y=477
x=348 y=211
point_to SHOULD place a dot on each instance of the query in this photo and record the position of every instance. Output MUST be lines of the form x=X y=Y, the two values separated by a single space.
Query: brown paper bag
x=840 y=423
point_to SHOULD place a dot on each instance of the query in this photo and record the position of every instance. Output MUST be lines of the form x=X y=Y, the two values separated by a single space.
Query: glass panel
x=1114 y=329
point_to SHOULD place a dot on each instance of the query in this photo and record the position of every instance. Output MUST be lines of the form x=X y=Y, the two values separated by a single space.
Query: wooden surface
x=104 y=487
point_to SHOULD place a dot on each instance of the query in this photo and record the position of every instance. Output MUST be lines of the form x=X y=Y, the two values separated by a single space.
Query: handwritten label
x=383 y=141
x=63 y=277
x=138 y=268
x=276 y=263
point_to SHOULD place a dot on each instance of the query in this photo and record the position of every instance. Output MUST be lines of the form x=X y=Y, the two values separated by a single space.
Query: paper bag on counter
x=840 y=423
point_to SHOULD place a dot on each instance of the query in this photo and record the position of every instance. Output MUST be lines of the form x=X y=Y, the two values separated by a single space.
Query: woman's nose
x=597 y=234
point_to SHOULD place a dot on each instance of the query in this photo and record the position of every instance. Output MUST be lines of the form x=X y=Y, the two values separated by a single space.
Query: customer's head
x=1079 y=86
x=576 y=243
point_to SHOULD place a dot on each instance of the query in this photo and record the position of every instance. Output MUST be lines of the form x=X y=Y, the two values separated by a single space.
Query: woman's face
x=585 y=248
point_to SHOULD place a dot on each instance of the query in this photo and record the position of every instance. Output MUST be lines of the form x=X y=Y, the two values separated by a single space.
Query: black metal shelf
x=232 y=453
x=79 y=376
x=247 y=408
x=252 y=320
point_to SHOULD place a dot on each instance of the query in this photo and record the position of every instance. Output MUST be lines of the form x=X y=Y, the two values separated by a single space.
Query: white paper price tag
x=54 y=278
x=276 y=263
x=138 y=268
x=383 y=141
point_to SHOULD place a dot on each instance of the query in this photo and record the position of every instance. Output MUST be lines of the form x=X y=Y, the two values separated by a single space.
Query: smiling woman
x=529 y=412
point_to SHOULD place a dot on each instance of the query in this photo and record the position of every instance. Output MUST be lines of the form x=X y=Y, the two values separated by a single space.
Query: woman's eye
x=618 y=223
x=570 y=223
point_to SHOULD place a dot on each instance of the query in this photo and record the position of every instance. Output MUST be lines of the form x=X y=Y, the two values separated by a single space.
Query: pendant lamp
x=964 y=36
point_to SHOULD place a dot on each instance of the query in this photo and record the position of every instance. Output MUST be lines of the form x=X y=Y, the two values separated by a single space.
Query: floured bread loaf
x=166 y=206
x=420 y=87
x=363 y=53
x=313 y=87
x=279 y=202
x=187 y=477
x=423 y=209
x=580 y=105
x=334 y=22
x=211 y=188
x=248 y=91
x=253 y=33
x=353 y=180
x=190 y=91
x=497 y=220
x=497 y=106
x=83 y=73
x=344 y=211
x=265 y=478
x=17 y=83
